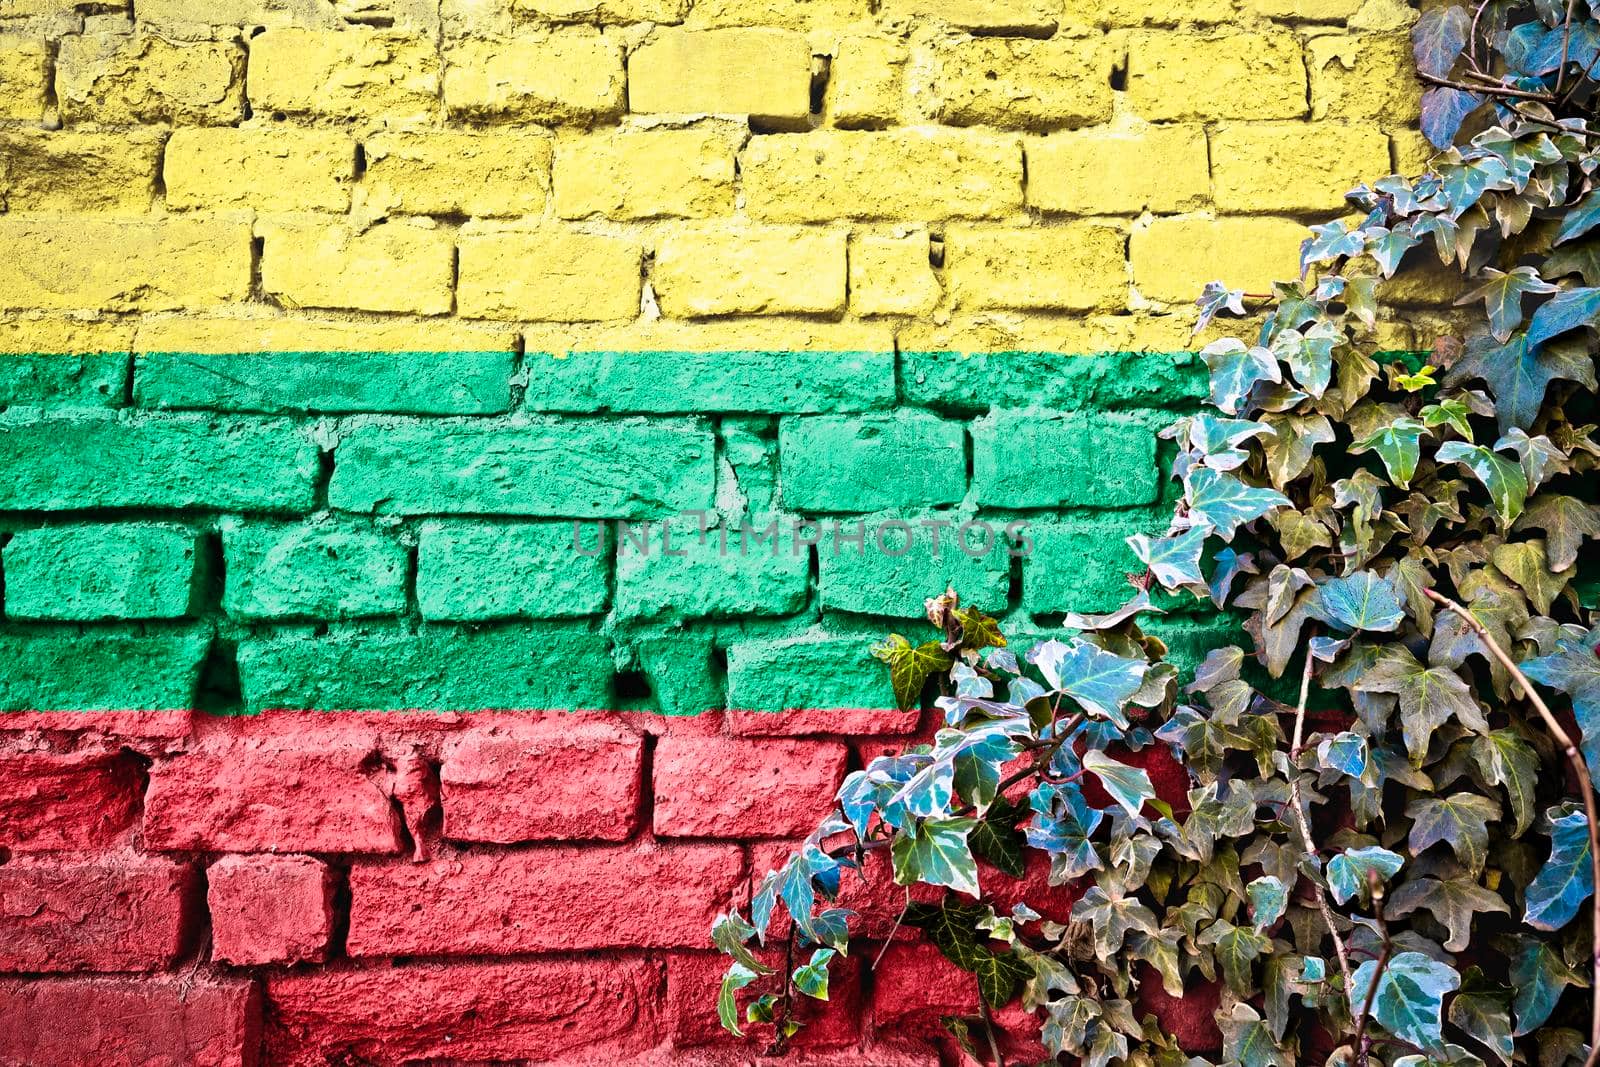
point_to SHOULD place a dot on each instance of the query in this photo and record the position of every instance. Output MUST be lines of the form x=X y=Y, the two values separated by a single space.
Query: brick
x=542 y=781
x=871 y=462
x=1040 y=459
x=82 y=573
x=142 y=77
x=75 y=263
x=472 y=571
x=264 y=169
x=975 y=381
x=684 y=678
x=1060 y=339
x=72 y=170
x=1082 y=563
x=77 y=801
x=184 y=17
x=673 y=570
x=348 y=73
x=270 y=909
x=760 y=72
x=992 y=16
x=892 y=276
x=483 y=173
x=1307 y=10
x=924 y=174
x=310 y=792
x=645 y=174
x=62 y=363
x=1075 y=267
x=524 y=668
x=398 y=266
x=1173 y=259
x=915 y=988
x=1119 y=172
x=548 y=273
x=623 y=468
x=569 y=77
x=911 y=557
x=1364 y=78
x=695 y=978
x=24 y=77
x=1311 y=167
x=199 y=1021
x=866 y=81
x=821 y=722
x=1181 y=77
x=610 y=12
x=312 y=571
x=1012 y=83
x=788 y=14
x=703 y=270
x=1117 y=13
x=100 y=672
x=812 y=671
x=1410 y=152
x=598 y=1011
x=767 y=788
x=669 y=896
x=118 y=912
x=177 y=461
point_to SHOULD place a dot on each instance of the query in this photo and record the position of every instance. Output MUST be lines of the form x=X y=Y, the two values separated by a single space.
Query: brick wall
x=321 y=320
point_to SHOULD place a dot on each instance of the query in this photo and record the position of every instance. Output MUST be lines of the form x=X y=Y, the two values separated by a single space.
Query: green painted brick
x=59 y=380
x=747 y=479
x=101 y=459
x=977 y=382
x=552 y=667
x=751 y=382
x=1045 y=460
x=1081 y=563
x=311 y=571
x=611 y=468
x=809 y=671
x=899 y=567
x=83 y=573
x=100 y=671
x=671 y=570
x=400 y=383
x=871 y=462
x=682 y=672
x=474 y=571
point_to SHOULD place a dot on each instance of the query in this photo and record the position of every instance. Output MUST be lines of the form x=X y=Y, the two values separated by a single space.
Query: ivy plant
x=1406 y=876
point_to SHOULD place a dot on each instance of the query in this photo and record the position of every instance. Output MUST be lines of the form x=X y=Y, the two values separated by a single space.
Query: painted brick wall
x=321 y=322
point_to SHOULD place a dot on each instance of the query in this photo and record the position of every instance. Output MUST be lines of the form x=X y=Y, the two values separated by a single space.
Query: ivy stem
x=1561 y=72
x=988 y=1030
x=898 y=919
x=1495 y=89
x=1362 y=1042
x=1580 y=771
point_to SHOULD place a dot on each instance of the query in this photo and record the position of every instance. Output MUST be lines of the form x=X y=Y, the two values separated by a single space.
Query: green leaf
x=1174 y=561
x=737 y=978
x=812 y=978
x=1247 y=1041
x=1348 y=871
x=1567 y=878
x=1399 y=445
x=1100 y=681
x=997 y=839
x=1363 y=601
x=1438 y=38
x=1269 y=898
x=1112 y=915
x=1410 y=996
x=935 y=852
x=1538 y=975
x=1574 y=668
x=1486 y=1018
x=979 y=631
x=1519 y=371
x=1453 y=902
x=1460 y=820
x=732 y=935
x=1236 y=949
x=1293 y=444
x=1235 y=370
x=1566 y=521
x=954 y=930
x=1128 y=786
x=1507 y=760
x=1582 y=259
x=1505 y=480
x=1226 y=502
x=910 y=666
x=1429 y=697
x=1580 y=218
x=1503 y=294
x=1525 y=563
x=1570 y=309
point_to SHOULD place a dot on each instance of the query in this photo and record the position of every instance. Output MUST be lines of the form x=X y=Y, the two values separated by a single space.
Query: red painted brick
x=122 y=1022
x=597 y=1011
x=1190 y=1018
x=270 y=909
x=823 y=722
x=542 y=781
x=79 y=800
x=714 y=787
x=132 y=725
x=543 y=900
x=914 y=987
x=119 y=912
x=693 y=979
x=282 y=786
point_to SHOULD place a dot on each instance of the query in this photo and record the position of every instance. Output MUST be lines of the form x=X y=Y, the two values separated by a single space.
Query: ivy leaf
x=1580 y=218
x=1247 y=1041
x=1505 y=480
x=737 y=978
x=1112 y=915
x=1236 y=948
x=1486 y=1018
x=1269 y=898
x=1460 y=820
x=1235 y=370
x=1061 y=826
x=1443 y=112
x=1429 y=697
x=910 y=666
x=1582 y=259
x=1570 y=309
x=1438 y=38
x=1574 y=668
x=1399 y=445
x=1567 y=878
x=1363 y=601
x=1566 y=521
x=997 y=839
x=1507 y=760
x=1128 y=786
x=935 y=852
x=1526 y=563
x=1344 y=752
x=1348 y=871
x=1519 y=372
x=1453 y=902
x=1502 y=294
x=1410 y=995
x=1538 y=975
x=812 y=978
x=1226 y=502
x=1215 y=299
x=954 y=929
x=1391 y=246
x=979 y=631
x=1293 y=444
x=732 y=935
x=1174 y=561
x=1100 y=681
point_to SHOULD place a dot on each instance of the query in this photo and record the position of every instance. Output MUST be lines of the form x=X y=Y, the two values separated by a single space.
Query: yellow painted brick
x=991 y=331
x=1364 y=79
x=714 y=335
x=1383 y=16
x=1306 y=10
x=1074 y=267
x=645 y=174
x=1423 y=281
x=351 y=73
x=764 y=73
x=548 y=274
x=1411 y=152
x=993 y=16
x=199 y=17
x=101 y=264
x=704 y=270
x=24 y=77
x=311 y=262
x=71 y=170
x=251 y=330
x=1173 y=259
x=784 y=14
x=1294 y=166
x=1117 y=13
x=572 y=76
x=612 y=12
x=141 y=77
x=1119 y=172
x=1012 y=83
x=892 y=276
x=269 y=169
x=1177 y=77
x=58 y=336
x=484 y=173
x=866 y=82
x=916 y=174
